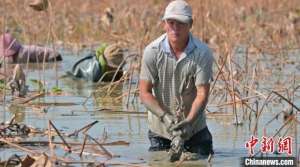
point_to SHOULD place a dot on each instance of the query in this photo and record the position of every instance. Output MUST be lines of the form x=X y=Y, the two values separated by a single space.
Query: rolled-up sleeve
x=148 y=67
x=204 y=70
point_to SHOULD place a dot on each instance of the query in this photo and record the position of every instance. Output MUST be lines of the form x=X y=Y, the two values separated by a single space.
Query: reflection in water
x=160 y=158
x=77 y=86
x=113 y=100
x=18 y=111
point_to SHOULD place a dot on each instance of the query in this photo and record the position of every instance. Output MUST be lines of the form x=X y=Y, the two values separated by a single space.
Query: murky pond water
x=69 y=114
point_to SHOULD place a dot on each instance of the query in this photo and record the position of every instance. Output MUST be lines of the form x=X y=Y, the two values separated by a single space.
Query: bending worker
x=175 y=79
x=103 y=64
x=12 y=51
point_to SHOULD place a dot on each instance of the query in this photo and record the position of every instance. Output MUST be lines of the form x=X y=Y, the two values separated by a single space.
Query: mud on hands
x=180 y=132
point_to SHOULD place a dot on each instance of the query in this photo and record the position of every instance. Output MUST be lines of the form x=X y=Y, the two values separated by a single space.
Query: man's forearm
x=198 y=106
x=199 y=103
x=152 y=104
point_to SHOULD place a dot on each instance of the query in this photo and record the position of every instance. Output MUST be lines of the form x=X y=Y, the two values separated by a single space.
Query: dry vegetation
x=263 y=25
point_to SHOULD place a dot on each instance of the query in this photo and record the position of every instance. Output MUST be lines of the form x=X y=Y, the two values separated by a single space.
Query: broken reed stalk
x=61 y=137
x=126 y=94
x=252 y=78
x=83 y=145
x=115 y=75
x=97 y=151
x=290 y=118
x=104 y=75
x=245 y=104
x=87 y=98
x=249 y=88
x=259 y=113
x=12 y=120
x=233 y=92
x=230 y=90
x=124 y=77
x=114 y=111
x=39 y=71
x=218 y=96
x=243 y=100
x=113 y=85
x=100 y=164
x=104 y=136
x=108 y=154
x=50 y=141
x=288 y=101
x=97 y=154
x=26 y=100
x=275 y=117
x=46 y=143
x=32 y=152
x=44 y=61
x=219 y=73
x=129 y=82
x=136 y=90
x=85 y=128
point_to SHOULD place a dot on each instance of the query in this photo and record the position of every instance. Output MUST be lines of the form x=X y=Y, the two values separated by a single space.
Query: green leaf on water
x=39 y=84
x=56 y=89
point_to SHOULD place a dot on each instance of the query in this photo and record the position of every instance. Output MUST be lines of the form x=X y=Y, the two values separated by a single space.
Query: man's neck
x=178 y=48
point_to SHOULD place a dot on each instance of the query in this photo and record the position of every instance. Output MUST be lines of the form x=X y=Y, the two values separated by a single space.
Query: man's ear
x=191 y=23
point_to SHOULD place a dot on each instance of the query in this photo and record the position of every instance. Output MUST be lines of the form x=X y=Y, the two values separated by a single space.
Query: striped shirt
x=174 y=81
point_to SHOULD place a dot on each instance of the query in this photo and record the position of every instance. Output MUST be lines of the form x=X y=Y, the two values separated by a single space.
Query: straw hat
x=9 y=46
x=114 y=55
x=39 y=5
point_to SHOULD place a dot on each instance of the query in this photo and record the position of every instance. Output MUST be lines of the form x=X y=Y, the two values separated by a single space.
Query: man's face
x=176 y=31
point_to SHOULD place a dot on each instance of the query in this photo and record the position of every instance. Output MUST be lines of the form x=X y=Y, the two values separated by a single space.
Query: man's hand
x=183 y=129
x=168 y=119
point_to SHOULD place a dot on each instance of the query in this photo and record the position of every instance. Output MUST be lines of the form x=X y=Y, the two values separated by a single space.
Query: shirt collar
x=189 y=48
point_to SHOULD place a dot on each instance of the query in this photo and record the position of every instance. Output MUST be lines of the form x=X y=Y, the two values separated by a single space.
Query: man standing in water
x=178 y=68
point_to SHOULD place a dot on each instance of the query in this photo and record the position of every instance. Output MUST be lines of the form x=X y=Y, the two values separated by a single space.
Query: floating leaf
x=39 y=84
x=56 y=89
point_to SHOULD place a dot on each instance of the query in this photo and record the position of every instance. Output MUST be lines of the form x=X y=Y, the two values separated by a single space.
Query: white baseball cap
x=178 y=10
